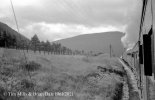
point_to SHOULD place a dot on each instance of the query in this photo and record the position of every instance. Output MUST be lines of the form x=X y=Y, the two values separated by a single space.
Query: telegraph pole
x=110 y=50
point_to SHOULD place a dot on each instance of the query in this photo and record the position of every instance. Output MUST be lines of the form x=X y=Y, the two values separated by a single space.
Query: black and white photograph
x=77 y=50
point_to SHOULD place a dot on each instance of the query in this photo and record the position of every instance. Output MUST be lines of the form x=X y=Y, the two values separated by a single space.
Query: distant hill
x=98 y=42
x=9 y=30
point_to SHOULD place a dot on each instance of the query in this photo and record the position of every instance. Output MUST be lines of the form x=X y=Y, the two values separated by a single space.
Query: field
x=59 y=77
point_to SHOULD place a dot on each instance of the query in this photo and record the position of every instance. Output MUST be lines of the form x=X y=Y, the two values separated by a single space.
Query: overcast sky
x=58 y=19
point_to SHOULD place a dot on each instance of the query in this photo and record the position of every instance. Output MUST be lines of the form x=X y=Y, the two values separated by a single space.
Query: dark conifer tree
x=35 y=42
x=2 y=44
x=48 y=46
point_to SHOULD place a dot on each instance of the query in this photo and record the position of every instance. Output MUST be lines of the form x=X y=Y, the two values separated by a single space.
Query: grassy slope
x=98 y=42
x=77 y=74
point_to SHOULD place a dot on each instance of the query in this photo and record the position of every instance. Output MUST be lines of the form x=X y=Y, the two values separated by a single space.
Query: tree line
x=53 y=48
x=11 y=41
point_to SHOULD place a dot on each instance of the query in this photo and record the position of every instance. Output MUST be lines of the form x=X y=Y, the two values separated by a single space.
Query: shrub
x=31 y=66
x=118 y=91
x=27 y=84
x=2 y=91
x=7 y=72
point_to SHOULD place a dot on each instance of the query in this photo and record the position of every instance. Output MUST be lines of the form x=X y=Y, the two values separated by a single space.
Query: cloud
x=132 y=30
x=90 y=12
x=49 y=31
x=56 y=19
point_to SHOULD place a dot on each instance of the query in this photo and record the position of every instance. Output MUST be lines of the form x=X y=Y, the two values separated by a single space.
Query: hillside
x=99 y=42
x=9 y=30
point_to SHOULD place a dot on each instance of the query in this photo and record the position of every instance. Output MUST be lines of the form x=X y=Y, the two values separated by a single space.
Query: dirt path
x=134 y=93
